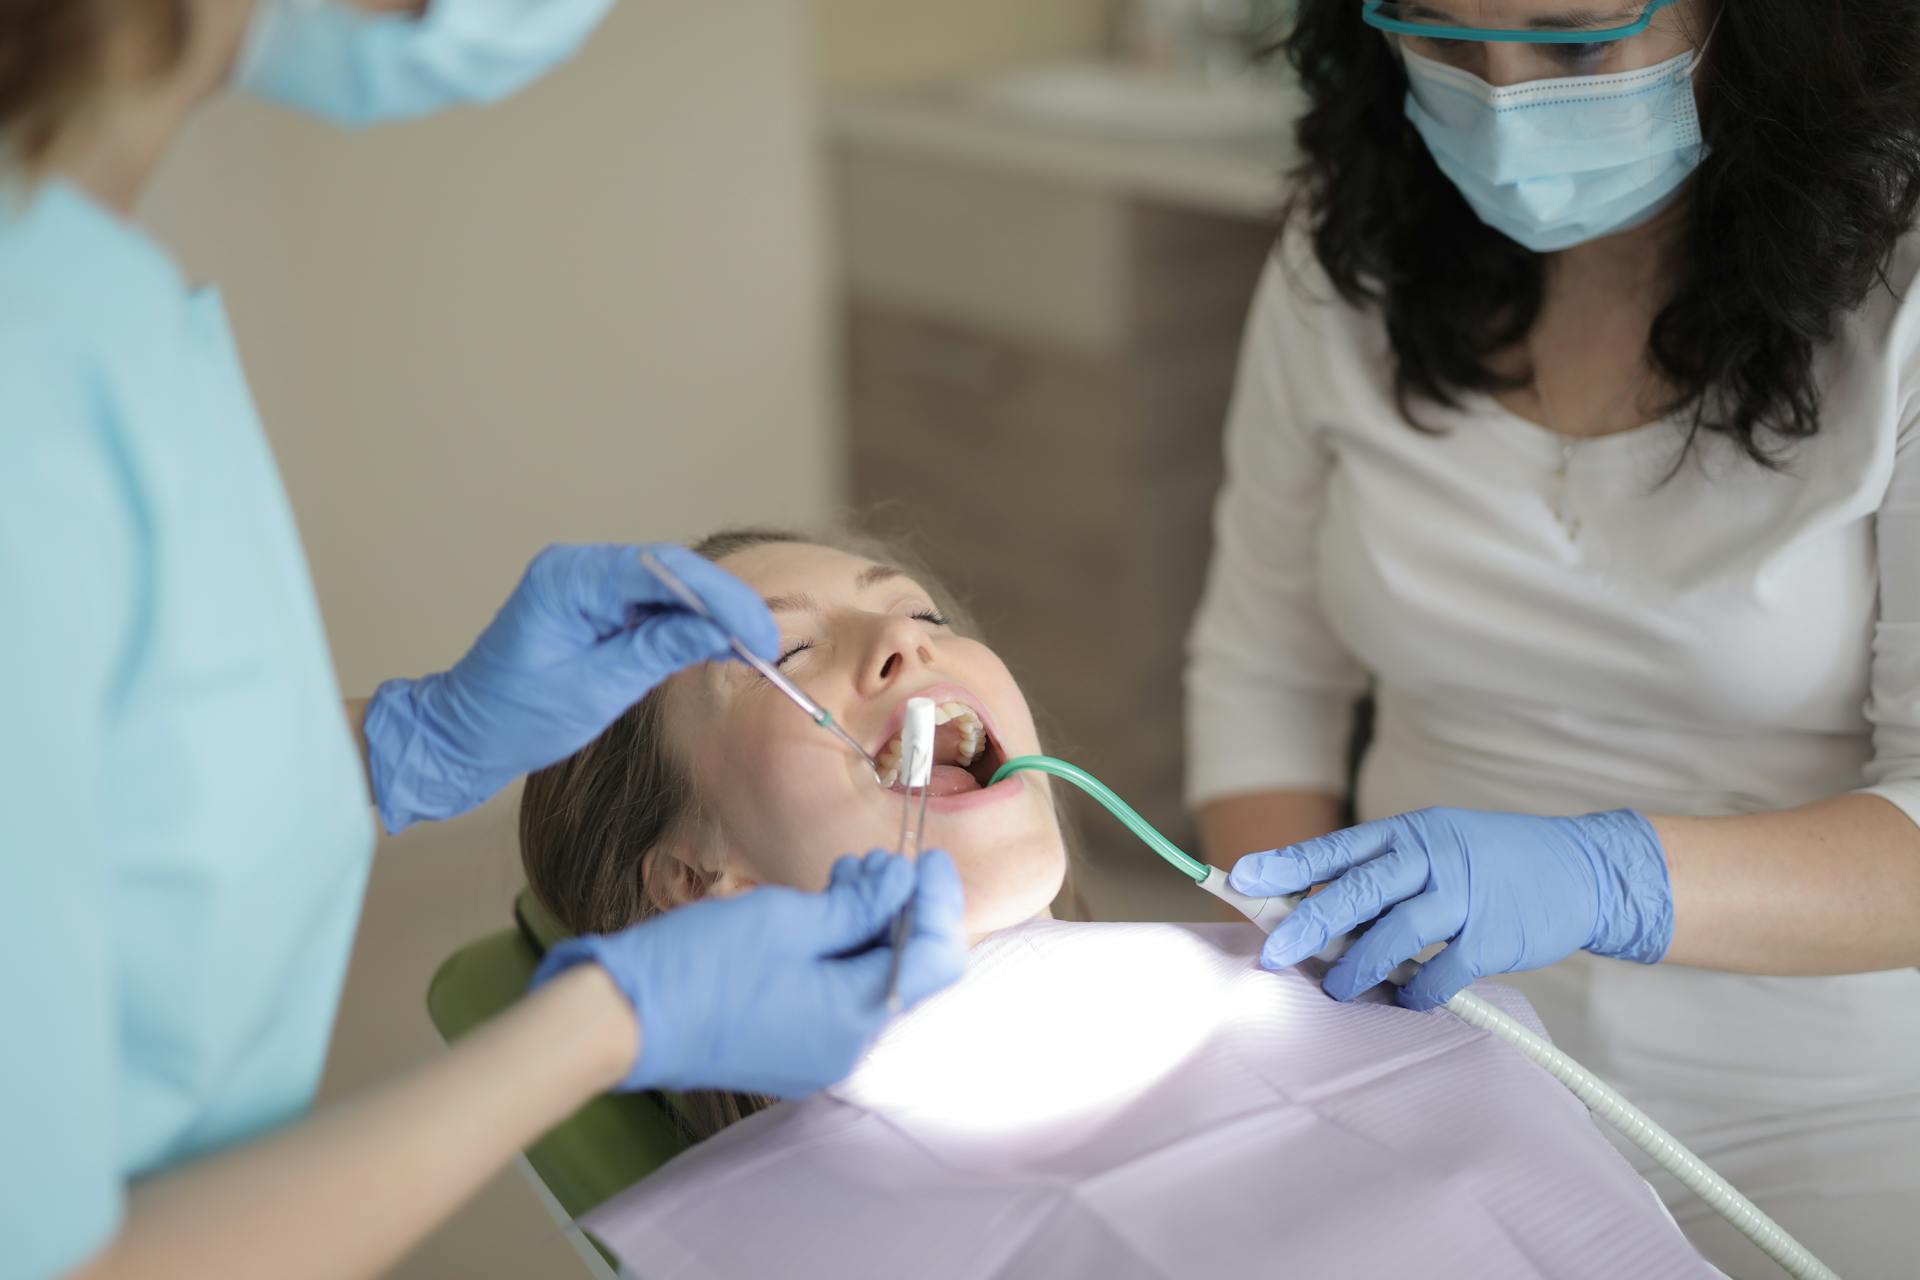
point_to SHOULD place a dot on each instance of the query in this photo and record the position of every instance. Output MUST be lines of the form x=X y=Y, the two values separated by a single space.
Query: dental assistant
x=184 y=825
x=1578 y=419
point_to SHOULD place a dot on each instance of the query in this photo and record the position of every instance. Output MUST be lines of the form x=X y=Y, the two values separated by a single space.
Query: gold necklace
x=1559 y=500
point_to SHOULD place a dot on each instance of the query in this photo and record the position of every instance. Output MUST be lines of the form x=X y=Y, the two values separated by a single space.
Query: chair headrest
x=539 y=926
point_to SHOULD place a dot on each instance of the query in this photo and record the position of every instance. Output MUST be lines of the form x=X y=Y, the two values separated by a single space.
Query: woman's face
x=781 y=799
x=1678 y=28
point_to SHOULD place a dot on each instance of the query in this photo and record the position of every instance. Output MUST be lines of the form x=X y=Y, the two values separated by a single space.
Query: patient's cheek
x=751 y=748
x=798 y=832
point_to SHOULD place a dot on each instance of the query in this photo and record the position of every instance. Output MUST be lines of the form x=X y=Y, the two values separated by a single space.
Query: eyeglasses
x=1430 y=20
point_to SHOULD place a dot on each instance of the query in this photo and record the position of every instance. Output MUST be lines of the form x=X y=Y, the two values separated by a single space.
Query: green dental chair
x=603 y=1148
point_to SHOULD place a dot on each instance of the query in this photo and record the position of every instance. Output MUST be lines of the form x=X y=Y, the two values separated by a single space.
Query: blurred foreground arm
x=776 y=991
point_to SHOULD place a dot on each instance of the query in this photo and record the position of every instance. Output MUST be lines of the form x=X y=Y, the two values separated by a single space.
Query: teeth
x=972 y=732
x=973 y=736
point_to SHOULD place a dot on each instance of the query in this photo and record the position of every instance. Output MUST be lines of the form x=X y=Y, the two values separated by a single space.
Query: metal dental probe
x=815 y=712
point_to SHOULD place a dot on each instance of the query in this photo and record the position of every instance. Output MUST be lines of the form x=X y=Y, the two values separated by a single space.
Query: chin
x=1010 y=887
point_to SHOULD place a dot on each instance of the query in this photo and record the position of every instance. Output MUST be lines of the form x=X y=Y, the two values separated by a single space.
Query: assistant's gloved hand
x=778 y=991
x=587 y=633
x=1510 y=891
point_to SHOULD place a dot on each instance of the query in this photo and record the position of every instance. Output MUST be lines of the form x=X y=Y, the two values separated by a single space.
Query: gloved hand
x=778 y=991
x=1509 y=891
x=586 y=634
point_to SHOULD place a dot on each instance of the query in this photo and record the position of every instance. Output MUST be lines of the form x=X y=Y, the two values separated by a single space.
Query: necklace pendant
x=1561 y=504
x=1568 y=521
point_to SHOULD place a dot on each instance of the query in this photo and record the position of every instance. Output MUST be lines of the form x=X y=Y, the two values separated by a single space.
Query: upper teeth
x=972 y=735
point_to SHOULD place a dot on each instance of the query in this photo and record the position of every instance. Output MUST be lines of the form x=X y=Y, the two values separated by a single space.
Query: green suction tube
x=1189 y=866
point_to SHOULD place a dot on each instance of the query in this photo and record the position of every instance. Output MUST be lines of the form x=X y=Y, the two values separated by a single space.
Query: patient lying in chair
x=1091 y=1099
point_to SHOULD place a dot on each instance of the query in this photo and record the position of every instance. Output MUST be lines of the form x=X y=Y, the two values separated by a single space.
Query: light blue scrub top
x=184 y=825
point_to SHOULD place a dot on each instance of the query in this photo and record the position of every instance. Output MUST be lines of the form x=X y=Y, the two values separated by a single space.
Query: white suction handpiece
x=1269 y=912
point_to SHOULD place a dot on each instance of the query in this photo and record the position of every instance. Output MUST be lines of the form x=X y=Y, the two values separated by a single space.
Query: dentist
x=1579 y=421
x=184 y=827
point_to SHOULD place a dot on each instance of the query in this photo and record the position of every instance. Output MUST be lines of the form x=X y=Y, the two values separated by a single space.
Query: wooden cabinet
x=1036 y=371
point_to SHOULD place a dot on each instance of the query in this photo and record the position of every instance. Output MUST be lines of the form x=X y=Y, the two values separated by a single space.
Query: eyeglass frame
x=1370 y=13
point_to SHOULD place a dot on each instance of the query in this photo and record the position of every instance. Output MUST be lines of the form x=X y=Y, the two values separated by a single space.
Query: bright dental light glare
x=1038 y=1050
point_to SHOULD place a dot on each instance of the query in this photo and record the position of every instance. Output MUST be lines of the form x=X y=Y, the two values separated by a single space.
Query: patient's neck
x=975 y=939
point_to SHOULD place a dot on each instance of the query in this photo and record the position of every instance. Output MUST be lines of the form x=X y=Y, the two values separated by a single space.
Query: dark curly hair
x=1811 y=113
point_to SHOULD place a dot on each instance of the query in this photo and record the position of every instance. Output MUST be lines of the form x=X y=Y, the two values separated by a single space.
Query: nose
x=899 y=647
x=1504 y=64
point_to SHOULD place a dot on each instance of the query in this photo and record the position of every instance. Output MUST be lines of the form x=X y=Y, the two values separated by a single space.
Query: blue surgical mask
x=354 y=67
x=1555 y=163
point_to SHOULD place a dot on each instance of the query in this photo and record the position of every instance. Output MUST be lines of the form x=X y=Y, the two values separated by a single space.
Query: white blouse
x=1713 y=637
x=1716 y=638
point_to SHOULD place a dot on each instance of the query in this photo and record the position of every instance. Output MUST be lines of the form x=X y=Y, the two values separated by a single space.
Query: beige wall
x=599 y=311
x=865 y=43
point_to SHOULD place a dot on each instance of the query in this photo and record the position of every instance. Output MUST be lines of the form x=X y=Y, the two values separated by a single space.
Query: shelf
x=1238 y=176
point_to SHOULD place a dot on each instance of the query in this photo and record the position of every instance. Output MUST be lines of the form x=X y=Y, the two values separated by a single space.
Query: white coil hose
x=1600 y=1097
x=1667 y=1151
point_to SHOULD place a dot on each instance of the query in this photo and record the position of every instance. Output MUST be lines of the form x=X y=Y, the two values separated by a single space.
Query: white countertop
x=1240 y=177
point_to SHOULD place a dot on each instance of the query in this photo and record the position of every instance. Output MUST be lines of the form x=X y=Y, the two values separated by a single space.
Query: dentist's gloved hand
x=1504 y=890
x=778 y=991
x=587 y=633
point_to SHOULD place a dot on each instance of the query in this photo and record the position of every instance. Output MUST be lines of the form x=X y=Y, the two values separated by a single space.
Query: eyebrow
x=801 y=602
x=798 y=602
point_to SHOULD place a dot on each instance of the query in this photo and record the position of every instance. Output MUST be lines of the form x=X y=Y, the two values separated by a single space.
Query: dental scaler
x=1599 y=1097
x=916 y=774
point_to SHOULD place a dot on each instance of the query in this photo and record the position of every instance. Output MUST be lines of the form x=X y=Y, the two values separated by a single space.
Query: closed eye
x=794 y=652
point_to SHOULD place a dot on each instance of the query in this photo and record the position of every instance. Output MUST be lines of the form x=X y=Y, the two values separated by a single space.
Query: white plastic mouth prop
x=916 y=743
x=916 y=771
x=916 y=767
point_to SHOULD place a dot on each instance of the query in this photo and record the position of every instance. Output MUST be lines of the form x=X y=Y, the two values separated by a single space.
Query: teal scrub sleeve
x=67 y=593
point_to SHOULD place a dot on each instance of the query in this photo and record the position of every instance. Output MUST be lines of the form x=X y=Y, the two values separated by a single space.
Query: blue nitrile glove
x=586 y=634
x=778 y=991
x=1504 y=890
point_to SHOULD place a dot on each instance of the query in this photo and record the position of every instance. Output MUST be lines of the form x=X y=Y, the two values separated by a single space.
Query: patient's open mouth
x=965 y=754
